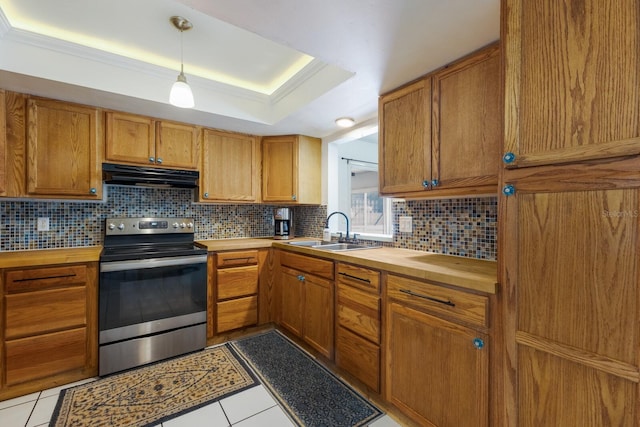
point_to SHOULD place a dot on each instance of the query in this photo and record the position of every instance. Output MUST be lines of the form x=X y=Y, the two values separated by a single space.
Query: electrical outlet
x=43 y=224
x=406 y=224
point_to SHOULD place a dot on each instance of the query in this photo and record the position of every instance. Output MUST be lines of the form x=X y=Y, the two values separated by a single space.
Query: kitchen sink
x=330 y=246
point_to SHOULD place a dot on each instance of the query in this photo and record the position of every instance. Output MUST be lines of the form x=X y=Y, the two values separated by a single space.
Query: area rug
x=155 y=393
x=312 y=394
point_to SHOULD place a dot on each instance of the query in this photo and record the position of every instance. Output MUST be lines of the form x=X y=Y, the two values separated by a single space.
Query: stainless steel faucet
x=346 y=218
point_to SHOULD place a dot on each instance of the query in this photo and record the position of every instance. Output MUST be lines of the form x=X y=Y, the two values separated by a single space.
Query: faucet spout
x=346 y=218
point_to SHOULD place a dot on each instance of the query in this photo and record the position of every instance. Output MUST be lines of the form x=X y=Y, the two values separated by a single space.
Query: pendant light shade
x=181 y=95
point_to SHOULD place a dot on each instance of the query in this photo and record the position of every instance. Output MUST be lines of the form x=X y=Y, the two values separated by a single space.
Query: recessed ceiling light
x=345 y=122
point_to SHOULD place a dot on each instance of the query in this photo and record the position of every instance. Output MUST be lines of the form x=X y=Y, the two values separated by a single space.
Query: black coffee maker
x=283 y=221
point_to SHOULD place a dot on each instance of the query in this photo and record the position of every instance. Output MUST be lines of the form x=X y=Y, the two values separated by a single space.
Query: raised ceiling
x=263 y=67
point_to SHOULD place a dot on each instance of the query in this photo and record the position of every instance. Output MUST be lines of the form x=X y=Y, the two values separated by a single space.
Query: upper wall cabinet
x=64 y=146
x=579 y=97
x=145 y=141
x=291 y=169
x=3 y=144
x=441 y=136
x=230 y=169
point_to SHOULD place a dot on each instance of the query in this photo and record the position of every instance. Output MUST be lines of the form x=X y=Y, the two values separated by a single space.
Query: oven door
x=148 y=296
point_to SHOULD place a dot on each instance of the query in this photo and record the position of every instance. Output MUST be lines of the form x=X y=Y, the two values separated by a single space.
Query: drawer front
x=459 y=305
x=316 y=266
x=44 y=278
x=236 y=258
x=45 y=355
x=359 y=277
x=359 y=311
x=34 y=313
x=237 y=313
x=358 y=357
x=237 y=282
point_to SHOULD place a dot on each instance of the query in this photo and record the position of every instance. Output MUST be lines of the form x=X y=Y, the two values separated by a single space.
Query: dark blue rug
x=313 y=395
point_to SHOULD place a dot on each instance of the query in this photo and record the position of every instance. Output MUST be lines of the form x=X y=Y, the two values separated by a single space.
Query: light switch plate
x=406 y=224
x=43 y=224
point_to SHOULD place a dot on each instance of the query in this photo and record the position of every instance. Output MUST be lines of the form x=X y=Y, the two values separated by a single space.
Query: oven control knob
x=189 y=225
x=112 y=226
x=175 y=225
x=121 y=226
x=183 y=225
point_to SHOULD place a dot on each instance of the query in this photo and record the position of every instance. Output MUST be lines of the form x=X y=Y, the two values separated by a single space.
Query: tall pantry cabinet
x=569 y=209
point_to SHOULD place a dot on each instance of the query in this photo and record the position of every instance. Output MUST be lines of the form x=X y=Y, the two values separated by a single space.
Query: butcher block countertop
x=40 y=257
x=469 y=273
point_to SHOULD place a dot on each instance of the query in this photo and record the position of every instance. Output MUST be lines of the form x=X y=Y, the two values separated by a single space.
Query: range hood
x=149 y=177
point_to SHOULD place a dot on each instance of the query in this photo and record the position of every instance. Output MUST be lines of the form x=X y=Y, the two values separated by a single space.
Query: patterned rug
x=313 y=395
x=155 y=393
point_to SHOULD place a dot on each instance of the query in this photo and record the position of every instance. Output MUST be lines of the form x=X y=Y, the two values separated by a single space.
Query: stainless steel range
x=153 y=292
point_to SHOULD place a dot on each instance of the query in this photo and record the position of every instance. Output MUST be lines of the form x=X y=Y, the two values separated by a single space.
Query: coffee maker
x=283 y=222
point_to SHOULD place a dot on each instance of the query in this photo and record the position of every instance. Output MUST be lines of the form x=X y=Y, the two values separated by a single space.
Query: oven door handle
x=136 y=264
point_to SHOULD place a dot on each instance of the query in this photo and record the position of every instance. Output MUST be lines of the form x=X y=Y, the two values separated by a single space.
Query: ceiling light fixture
x=345 y=122
x=181 y=95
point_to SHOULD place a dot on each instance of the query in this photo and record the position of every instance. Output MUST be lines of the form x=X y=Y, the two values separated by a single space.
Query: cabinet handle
x=441 y=301
x=508 y=158
x=425 y=184
x=355 y=277
x=301 y=277
x=293 y=197
x=92 y=190
x=508 y=190
x=434 y=182
x=245 y=258
x=159 y=160
x=152 y=159
x=33 y=279
x=206 y=195
x=478 y=343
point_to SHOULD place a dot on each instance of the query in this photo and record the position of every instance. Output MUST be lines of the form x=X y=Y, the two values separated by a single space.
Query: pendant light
x=181 y=95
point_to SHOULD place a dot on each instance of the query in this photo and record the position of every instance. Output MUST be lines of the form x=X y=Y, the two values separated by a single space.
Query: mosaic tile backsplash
x=465 y=227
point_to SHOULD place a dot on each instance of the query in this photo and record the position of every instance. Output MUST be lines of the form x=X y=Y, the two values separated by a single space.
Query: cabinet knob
x=434 y=182
x=92 y=190
x=152 y=159
x=508 y=158
x=206 y=195
x=293 y=197
x=478 y=343
x=159 y=160
x=508 y=190
x=300 y=277
x=426 y=184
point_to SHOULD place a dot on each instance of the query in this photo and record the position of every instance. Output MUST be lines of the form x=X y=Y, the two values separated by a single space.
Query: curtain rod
x=356 y=160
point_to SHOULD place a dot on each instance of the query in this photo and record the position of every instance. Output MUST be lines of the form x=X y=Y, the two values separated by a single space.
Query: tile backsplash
x=465 y=227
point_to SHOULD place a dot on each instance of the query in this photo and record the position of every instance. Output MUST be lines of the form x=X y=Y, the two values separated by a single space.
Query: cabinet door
x=318 y=314
x=3 y=144
x=63 y=142
x=291 y=292
x=130 y=139
x=571 y=89
x=280 y=169
x=427 y=354
x=177 y=145
x=467 y=122
x=405 y=139
x=230 y=167
x=571 y=288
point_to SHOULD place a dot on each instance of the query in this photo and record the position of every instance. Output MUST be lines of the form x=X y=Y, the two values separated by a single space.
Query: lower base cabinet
x=359 y=357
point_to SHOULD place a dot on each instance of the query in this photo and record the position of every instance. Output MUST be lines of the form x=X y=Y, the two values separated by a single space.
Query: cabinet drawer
x=459 y=305
x=46 y=311
x=237 y=282
x=319 y=267
x=359 y=311
x=359 y=357
x=236 y=258
x=359 y=277
x=43 y=278
x=237 y=313
x=45 y=355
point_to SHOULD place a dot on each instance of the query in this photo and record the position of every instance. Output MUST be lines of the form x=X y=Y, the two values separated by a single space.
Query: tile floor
x=251 y=408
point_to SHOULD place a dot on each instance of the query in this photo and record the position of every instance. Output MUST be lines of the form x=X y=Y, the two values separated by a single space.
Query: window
x=369 y=212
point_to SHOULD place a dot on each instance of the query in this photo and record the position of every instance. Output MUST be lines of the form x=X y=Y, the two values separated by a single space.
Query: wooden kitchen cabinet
x=358 y=323
x=230 y=169
x=291 y=169
x=235 y=290
x=306 y=290
x=64 y=150
x=3 y=143
x=570 y=80
x=440 y=136
x=50 y=328
x=140 y=140
x=437 y=353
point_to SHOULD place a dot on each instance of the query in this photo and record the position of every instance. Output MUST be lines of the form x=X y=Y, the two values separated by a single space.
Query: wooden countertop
x=469 y=273
x=39 y=257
